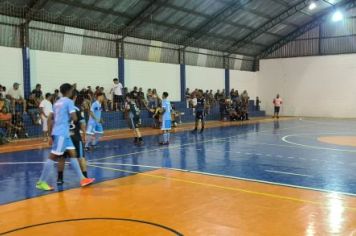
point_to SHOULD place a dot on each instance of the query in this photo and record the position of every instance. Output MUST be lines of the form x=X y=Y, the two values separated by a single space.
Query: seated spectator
x=18 y=127
x=38 y=93
x=33 y=108
x=16 y=97
x=3 y=91
x=5 y=112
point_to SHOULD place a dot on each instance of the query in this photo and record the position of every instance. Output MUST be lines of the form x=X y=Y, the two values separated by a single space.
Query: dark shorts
x=118 y=99
x=199 y=115
x=79 y=146
x=276 y=109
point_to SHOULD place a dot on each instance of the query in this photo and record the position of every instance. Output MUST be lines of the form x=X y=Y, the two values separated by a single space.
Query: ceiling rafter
x=346 y=4
x=280 y=18
x=212 y=21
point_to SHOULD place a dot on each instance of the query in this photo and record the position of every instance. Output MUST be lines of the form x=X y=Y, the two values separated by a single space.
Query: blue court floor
x=284 y=153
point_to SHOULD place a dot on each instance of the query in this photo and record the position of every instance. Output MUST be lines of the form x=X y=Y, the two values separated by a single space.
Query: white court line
x=180 y=146
x=246 y=179
x=285 y=139
x=287 y=173
x=21 y=163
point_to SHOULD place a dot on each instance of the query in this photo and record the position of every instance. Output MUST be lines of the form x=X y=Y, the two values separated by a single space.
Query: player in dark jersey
x=75 y=128
x=200 y=111
x=133 y=118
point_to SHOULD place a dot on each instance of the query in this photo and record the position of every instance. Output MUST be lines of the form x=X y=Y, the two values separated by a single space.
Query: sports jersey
x=134 y=110
x=200 y=104
x=75 y=127
x=166 y=105
x=61 y=113
x=96 y=109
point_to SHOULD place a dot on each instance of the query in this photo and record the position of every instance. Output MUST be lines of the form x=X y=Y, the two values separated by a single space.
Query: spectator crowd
x=13 y=105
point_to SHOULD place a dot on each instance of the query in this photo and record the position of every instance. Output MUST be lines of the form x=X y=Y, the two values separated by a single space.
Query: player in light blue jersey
x=95 y=128
x=63 y=113
x=166 y=119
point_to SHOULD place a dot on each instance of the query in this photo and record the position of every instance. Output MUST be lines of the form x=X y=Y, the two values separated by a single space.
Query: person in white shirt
x=16 y=97
x=116 y=91
x=46 y=109
x=277 y=102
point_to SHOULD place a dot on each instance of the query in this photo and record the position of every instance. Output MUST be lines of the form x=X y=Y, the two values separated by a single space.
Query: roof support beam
x=270 y=24
x=213 y=21
x=33 y=7
x=142 y=16
x=346 y=4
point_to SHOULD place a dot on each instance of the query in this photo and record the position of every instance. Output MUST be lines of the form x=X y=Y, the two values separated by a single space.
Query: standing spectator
x=55 y=96
x=141 y=98
x=217 y=95
x=258 y=102
x=38 y=92
x=106 y=100
x=232 y=94
x=187 y=97
x=116 y=91
x=155 y=98
x=277 y=102
x=134 y=94
x=75 y=90
x=15 y=96
x=45 y=110
x=244 y=102
x=90 y=93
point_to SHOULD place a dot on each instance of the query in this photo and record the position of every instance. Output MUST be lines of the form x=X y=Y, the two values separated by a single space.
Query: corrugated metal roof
x=211 y=24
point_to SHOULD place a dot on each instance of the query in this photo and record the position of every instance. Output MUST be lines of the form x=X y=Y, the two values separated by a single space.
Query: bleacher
x=116 y=120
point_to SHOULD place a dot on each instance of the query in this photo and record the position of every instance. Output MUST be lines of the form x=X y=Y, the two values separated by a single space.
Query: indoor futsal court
x=177 y=117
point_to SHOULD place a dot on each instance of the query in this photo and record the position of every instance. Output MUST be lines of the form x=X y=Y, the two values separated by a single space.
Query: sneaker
x=44 y=186
x=87 y=149
x=86 y=181
x=60 y=182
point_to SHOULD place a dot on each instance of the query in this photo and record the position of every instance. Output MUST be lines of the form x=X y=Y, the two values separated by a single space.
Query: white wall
x=244 y=80
x=310 y=86
x=11 y=66
x=163 y=77
x=205 y=78
x=51 y=69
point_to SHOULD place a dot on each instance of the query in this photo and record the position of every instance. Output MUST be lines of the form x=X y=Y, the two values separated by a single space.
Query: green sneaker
x=44 y=186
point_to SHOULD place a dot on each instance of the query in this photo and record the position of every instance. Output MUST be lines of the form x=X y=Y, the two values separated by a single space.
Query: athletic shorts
x=94 y=128
x=61 y=144
x=78 y=144
x=199 y=115
x=276 y=109
x=133 y=122
x=166 y=125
